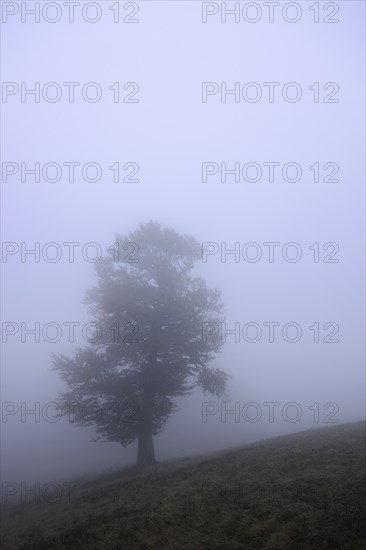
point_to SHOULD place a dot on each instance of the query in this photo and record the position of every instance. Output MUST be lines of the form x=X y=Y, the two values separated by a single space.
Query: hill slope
x=299 y=491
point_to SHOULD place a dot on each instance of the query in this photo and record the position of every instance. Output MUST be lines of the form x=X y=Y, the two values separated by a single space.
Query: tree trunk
x=145 y=452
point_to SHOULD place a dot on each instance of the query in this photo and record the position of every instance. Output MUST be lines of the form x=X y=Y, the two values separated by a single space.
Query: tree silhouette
x=147 y=347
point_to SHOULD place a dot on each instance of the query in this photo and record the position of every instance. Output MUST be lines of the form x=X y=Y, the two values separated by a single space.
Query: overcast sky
x=169 y=53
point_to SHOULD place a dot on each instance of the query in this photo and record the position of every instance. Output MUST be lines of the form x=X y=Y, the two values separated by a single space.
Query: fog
x=169 y=133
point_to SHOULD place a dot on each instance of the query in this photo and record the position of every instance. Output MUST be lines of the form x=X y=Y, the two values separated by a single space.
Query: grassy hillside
x=293 y=492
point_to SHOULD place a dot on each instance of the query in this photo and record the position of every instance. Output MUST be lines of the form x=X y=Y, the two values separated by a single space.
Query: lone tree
x=147 y=346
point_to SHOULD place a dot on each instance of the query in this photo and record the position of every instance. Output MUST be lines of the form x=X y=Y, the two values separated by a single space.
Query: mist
x=286 y=250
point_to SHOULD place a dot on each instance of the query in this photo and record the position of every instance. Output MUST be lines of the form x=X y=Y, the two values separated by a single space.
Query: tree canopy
x=148 y=348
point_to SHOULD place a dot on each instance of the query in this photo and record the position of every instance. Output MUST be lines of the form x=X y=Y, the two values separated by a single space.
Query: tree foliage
x=148 y=349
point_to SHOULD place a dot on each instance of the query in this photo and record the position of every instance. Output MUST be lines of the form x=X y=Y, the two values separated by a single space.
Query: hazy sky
x=169 y=133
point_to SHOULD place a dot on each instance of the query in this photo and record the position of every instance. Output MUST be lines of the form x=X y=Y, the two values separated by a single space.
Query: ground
x=295 y=492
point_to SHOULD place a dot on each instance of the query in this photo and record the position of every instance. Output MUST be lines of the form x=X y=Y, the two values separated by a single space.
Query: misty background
x=169 y=134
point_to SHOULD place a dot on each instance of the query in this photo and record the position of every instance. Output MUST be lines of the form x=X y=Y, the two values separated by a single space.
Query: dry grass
x=296 y=492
